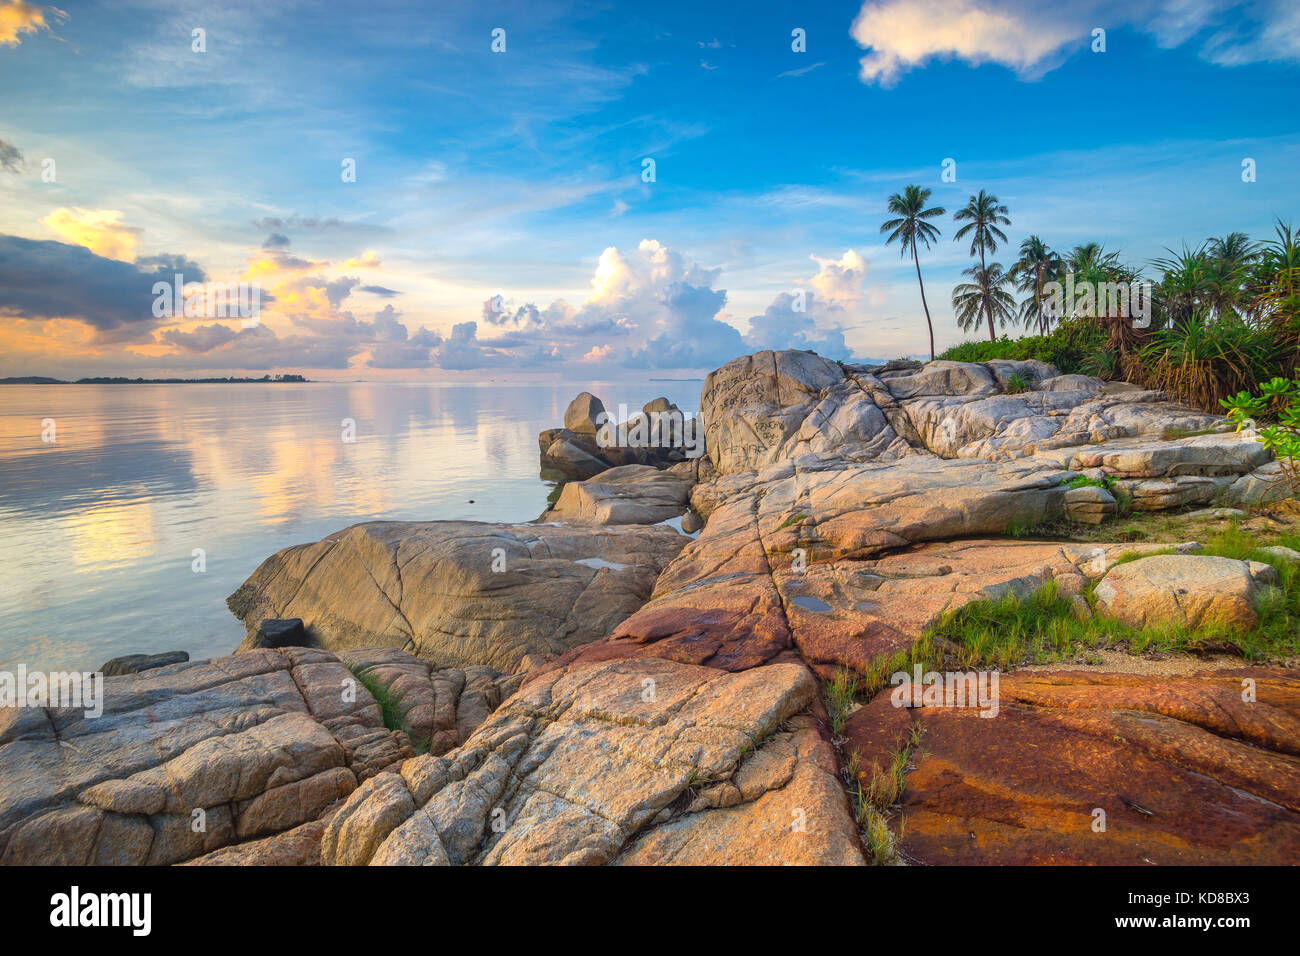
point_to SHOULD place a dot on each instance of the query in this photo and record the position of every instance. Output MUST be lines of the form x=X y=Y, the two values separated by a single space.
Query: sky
x=470 y=190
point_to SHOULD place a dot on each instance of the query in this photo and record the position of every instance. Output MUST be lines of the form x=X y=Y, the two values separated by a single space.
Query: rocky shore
x=652 y=671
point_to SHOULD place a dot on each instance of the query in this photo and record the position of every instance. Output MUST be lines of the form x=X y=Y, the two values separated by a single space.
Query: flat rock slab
x=1184 y=770
x=461 y=593
x=244 y=747
x=1185 y=590
x=596 y=761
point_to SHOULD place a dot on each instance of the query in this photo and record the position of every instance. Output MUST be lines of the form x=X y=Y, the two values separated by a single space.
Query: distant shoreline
x=43 y=380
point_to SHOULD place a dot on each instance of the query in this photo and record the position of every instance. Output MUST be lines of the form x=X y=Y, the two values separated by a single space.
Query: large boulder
x=585 y=415
x=592 y=441
x=1185 y=590
x=1090 y=504
x=772 y=406
x=460 y=593
x=573 y=461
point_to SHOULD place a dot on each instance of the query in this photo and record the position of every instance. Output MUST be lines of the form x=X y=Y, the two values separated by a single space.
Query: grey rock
x=280 y=632
x=582 y=414
x=135 y=663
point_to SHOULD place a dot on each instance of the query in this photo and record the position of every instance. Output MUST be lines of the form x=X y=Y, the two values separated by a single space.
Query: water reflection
x=98 y=531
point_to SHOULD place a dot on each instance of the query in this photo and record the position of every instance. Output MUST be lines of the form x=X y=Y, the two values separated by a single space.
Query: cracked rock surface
x=190 y=758
x=613 y=762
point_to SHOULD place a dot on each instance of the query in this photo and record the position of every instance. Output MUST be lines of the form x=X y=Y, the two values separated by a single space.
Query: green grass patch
x=1171 y=434
x=840 y=694
x=1017 y=384
x=392 y=716
x=1047 y=626
x=1107 y=482
x=871 y=804
x=793 y=519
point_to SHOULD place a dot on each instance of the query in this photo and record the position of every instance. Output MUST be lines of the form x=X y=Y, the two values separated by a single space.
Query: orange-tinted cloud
x=367 y=261
x=18 y=17
x=99 y=230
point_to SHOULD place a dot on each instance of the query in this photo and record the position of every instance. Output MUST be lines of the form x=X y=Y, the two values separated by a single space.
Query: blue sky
x=515 y=177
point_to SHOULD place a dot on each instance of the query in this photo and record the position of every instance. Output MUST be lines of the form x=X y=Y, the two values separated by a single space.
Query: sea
x=129 y=512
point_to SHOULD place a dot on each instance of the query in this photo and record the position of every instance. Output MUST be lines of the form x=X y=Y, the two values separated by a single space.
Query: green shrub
x=1205 y=360
x=1280 y=399
x=1017 y=383
x=1071 y=346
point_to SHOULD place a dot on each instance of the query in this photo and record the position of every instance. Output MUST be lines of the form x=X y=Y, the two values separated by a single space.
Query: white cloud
x=839 y=281
x=1033 y=38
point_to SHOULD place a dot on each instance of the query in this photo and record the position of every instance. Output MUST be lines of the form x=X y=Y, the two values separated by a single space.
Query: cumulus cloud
x=99 y=230
x=652 y=308
x=839 y=281
x=1032 y=38
x=813 y=318
x=54 y=280
x=649 y=307
x=660 y=301
x=18 y=17
x=205 y=338
x=791 y=322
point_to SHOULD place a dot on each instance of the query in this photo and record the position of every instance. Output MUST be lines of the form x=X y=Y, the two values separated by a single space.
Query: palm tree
x=1037 y=266
x=1273 y=288
x=1092 y=265
x=1235 y=247
x=1185 y=283
x=910 y=226
x=1091 y=260
x=985 y=296
x=983 y=215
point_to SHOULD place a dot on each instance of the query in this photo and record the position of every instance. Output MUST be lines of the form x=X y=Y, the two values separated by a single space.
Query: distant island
x=44 y=380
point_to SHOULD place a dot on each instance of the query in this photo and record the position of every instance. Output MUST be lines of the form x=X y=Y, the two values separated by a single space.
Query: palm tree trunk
x=923 y=305
x=1038 y=302
x=988 y=306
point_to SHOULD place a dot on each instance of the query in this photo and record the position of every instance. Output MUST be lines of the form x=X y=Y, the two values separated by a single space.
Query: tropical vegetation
x=1206 y=323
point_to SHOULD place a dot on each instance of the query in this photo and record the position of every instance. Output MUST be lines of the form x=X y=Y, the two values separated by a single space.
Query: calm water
x=98 y=529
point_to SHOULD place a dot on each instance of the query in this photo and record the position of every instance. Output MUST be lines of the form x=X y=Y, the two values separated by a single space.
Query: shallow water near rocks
x=98 y=530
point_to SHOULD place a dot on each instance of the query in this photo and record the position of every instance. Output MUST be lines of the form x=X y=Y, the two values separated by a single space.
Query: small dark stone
x=280 y=632
x=135 y=663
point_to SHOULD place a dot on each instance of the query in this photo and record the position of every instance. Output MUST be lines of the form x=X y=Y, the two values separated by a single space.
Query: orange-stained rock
x=726 y=602
x=1185 y=770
